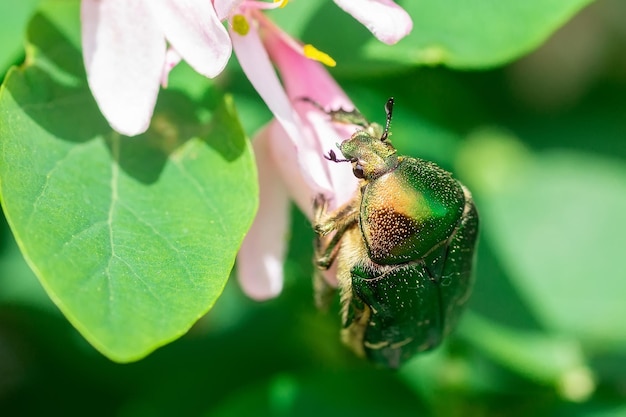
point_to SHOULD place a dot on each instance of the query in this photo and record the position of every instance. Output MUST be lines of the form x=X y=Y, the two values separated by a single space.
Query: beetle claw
x=324 y=229
x=332 y=156
x=322 y=226
x=319 y=202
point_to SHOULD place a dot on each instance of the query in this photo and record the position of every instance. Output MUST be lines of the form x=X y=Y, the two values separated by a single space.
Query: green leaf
x=18 y=284
x=132 y=238
x=459 y=34
x=475 y=33
x=14 y=17
x=556 y=222
x=545 y=358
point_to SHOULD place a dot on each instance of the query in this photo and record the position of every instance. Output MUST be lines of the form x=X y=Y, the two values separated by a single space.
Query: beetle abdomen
x=405 y=312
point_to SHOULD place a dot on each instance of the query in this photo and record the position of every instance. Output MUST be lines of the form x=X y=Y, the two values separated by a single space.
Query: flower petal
x=123 y=51
x=259 y=70
x=225 y=8
x=260 y=259
x=291 y=167
x=290 y=172
x=343 y=182
x=384 y=18
x=304 y=77
x=193 y=29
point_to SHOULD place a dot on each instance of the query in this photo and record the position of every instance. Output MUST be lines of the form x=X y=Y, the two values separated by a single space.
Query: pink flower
x=289 y=150
x=127 y=58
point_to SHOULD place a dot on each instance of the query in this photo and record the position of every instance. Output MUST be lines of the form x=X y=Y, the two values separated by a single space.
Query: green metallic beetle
x=404 y=247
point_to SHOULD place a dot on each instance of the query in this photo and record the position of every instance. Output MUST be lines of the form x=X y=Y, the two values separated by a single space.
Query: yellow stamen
x=284 y=3
x=240 y=24
x=313 y=53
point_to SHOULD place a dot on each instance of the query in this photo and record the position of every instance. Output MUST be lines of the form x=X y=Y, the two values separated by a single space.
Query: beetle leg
x=353 y=117
x=325 y=222
x=326 y=252
x=339 y=221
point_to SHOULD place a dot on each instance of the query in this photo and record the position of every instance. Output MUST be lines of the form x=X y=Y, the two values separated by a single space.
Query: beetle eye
x=358 y=171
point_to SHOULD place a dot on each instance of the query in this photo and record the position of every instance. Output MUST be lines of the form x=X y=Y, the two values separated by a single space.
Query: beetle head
x=369 y=150
x=371 y=157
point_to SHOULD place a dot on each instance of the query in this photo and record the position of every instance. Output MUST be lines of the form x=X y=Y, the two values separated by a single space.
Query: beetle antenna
x=388 y=111
x=332 y=156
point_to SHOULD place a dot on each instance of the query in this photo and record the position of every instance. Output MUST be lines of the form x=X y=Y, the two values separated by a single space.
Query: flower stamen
x=313 y=53
x=240 y=24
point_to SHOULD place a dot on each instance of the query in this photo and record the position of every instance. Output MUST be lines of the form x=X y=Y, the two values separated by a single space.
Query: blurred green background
x=541 y=142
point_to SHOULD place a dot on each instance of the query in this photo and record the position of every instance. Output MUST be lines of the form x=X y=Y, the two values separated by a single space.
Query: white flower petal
x=259 y=70
x=291 y=175
x=193 y=29
x=260 y=259
x=384 y=18
x=304 y=77
x=344 y=183
x=225 y=8
x=291 y=169
x=123 y=50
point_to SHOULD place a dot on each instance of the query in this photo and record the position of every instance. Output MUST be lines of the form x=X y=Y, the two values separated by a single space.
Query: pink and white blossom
x=130 y=46
x=289 y=151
